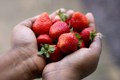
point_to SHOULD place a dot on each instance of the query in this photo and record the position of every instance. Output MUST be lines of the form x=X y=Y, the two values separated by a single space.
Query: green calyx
x=46 y=50
x=78 y=36
x=92 y=35
x=62 y=15
x=79 y=39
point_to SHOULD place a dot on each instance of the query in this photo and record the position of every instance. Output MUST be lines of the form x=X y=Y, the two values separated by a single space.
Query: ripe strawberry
x=79 y=21
x=56 y=55
x=68 y=21
x=57 y=29
x=44 y=39
x=68 y=43
x=82 y=44
x=51 y=52
x=88 y=35
x=42 y=24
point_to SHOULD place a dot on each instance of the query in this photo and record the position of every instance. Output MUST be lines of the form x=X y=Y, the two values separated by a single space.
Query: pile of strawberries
x=60 y=35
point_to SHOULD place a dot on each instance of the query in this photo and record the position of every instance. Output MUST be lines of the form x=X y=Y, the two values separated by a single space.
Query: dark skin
x=21 y=62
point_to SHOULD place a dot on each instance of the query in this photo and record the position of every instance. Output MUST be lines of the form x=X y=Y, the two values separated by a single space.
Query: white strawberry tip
x=61 y=9
x=69 y=13
x=57 y=17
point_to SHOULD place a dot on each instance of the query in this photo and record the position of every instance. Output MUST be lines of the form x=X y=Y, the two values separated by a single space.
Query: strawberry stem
x=62 y=15
x=46 y=50
x=78 y=36
x=92 y=35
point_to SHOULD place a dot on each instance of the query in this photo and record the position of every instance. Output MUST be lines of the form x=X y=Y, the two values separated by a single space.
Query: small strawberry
x=82 y=44
x=56 y=55
x=51 y=52
x=42 y=24
x=88 y=35
x=68 y=21
x=44 y=39
x=79 y=21
x=68 y=43
x=57 y=29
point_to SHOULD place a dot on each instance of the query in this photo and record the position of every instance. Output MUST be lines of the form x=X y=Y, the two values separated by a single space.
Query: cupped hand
x=79 y=64
x=29 y=65
x=24 y=44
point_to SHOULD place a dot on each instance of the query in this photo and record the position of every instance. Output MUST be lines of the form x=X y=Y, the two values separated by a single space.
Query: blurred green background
x=14 y=11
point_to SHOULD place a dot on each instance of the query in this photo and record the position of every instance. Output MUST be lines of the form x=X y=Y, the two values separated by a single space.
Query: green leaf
x=78 y=36
x=46 y=46
x=62 y=15
x=51 y=48
x=46 y=50
x=42 y=51
x=92 y=35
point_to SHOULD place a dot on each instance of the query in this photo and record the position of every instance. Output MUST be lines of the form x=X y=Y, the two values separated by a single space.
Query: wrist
x=17 y=64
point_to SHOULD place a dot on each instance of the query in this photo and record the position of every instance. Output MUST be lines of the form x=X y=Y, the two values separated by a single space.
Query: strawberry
x=57 y=29
x=79 y=21
x=42 y=24
x=56 y=55
x=67 y=43
x=44 y=39
x=88 y=35
x=68 y=21
x=51 y=52
x=82 y=44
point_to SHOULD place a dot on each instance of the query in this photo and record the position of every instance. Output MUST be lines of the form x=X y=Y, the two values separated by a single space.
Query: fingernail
x=90 y=17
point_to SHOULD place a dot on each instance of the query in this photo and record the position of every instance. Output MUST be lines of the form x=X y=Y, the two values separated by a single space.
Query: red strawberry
x=68 y=21
x=44 y=39
x=51 y=52
x=42 y=24
x=56 y=55
x=57 y=29
x=82 y=44
x=88 y=35
x=79 y=21
x=68 y=43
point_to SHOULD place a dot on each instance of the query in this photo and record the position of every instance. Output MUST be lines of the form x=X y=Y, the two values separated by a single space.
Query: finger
x=39 y=63
x=91 y=20
x=28 y=23
x=84 y=55
x=90 y=17
x=23 y=36
x=96 y=45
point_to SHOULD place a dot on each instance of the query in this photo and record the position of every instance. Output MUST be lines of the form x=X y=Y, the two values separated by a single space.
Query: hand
x=77 y=65
x=22 y=61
